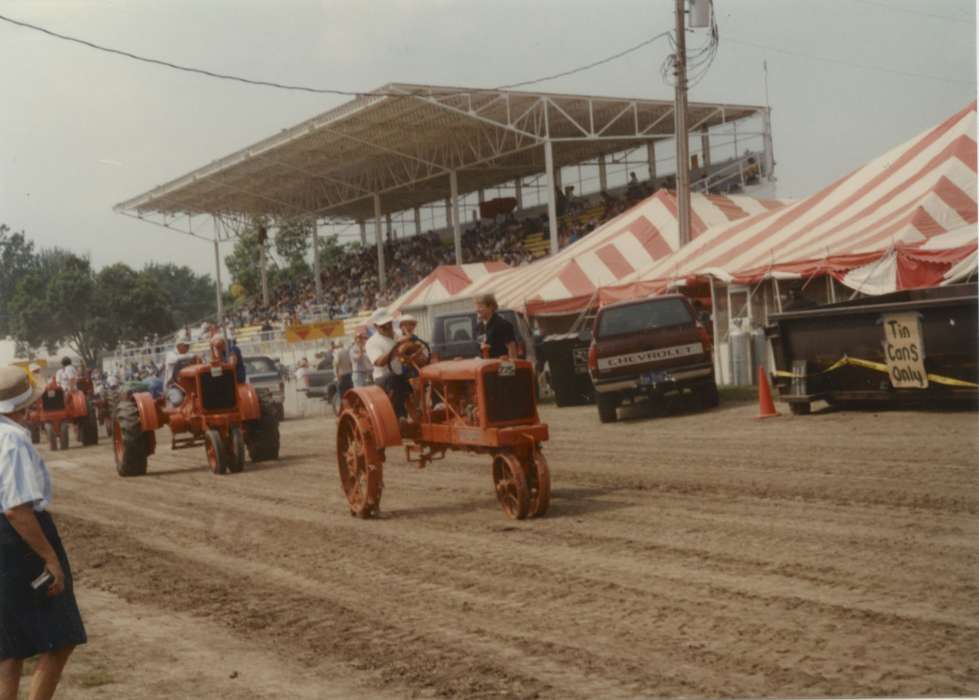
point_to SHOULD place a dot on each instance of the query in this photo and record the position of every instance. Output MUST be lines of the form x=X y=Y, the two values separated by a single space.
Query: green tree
x=63 y=302
x=292 y=243
x=190 y=296
x=17 y=258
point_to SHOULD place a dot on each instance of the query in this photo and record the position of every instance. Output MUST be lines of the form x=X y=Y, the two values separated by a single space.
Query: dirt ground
x=693 y=554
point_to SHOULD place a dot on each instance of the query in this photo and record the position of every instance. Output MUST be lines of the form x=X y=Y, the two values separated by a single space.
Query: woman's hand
x=57 y=586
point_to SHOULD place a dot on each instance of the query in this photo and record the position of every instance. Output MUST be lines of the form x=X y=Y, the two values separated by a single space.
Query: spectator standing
x=362 y=369
x=343 y=369
x=44 y=621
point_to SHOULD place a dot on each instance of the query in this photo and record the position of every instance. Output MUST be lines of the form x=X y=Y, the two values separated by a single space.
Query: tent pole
x=379 y=239
x=551 y=195
x=456 y=228
x=217 y=274
x=363 y=232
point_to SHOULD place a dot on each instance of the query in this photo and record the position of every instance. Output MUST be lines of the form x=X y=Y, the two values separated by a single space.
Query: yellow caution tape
x=880 y=367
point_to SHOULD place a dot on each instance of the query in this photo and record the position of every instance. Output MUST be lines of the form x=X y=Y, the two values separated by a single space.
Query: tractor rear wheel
x=236 y=450
x=35 y=433
x=217 y=454
x=52 y=436
x=89 y=427
x=130 y=443
x=538 y=484
x=63 y=438
x=362 y=482
x=262 y=434
x=608 y=405
x=511 y=485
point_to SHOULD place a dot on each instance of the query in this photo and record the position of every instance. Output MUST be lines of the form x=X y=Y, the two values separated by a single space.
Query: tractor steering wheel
x=411 y=352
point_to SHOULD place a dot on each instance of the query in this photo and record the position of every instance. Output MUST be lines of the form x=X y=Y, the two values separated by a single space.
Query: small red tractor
x=480 y=405
x=58 y=409
x=205 y=405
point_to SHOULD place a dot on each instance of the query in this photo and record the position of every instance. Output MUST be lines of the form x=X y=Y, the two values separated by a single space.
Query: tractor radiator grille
x=218 y=393
x=509 y=398
x=53 y=403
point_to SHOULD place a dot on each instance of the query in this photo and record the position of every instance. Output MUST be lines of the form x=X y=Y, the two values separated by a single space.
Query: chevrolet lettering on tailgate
x=646 y=356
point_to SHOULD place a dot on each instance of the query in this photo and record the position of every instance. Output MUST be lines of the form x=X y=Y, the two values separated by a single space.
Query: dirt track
x=689 y=555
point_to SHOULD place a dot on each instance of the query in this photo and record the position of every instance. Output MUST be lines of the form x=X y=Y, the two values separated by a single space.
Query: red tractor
x=58 y=409
x=480 y=405
x=205 y=405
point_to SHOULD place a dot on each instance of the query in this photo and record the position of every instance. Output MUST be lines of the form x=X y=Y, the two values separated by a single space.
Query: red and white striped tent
x=446 y=281
x=617 y=250
x=906 y=219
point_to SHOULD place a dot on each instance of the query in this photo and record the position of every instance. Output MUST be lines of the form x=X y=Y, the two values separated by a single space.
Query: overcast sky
x=82 y=130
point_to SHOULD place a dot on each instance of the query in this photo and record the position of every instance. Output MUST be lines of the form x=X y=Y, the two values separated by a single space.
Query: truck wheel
x=63 y=438
x=511 y=486
x=607 y=408
x=709 y=397
x=52 y=437
x=217 y=455
x=236 y=450
x=128 y=439
x=800 y=408
x=262 y=434
x=35 y=434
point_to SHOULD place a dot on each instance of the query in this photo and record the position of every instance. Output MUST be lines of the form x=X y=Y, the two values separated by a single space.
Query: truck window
x=259 y=365
x=643 y=317
x=458 y=330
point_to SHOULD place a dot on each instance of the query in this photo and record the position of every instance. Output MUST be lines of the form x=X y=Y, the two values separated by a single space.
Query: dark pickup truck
x=649 y=348
x=454 y=335
x=263 y=374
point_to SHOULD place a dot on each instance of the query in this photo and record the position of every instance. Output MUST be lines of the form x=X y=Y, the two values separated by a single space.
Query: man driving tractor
x=385 y=353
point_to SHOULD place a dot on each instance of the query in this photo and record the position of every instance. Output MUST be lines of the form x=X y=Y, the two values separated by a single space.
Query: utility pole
x=680 y=116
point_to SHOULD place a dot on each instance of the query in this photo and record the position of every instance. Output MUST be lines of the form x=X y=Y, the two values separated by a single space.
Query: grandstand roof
x=403 y=140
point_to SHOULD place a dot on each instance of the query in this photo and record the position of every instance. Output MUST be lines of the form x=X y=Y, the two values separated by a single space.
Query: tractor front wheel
x=63 y=440
x=130 y=444
x=362 y=482
x=52 y=436
x=538 y=484
x=511 y=485
x=236 y=450
x=217 y=455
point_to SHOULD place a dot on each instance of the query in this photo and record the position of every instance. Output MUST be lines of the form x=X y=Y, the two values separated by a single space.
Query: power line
x=305 y=88
x=851 y=64
x=889 y=6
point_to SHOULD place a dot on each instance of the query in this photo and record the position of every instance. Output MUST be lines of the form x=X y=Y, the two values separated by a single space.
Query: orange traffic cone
x=766 y=407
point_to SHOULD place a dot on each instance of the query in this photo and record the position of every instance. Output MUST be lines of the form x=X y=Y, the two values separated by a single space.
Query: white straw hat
x=16 y=390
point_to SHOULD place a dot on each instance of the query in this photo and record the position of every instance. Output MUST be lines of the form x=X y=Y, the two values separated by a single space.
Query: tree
x=17 y=258
x=63 y=302
x=190 y=296
x=292 y=242
x=243 y=261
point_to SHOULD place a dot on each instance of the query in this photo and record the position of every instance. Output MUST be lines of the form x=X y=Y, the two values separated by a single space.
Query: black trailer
x=915 y=346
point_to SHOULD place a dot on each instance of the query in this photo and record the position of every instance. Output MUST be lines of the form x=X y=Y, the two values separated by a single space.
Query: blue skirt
x=30 y=622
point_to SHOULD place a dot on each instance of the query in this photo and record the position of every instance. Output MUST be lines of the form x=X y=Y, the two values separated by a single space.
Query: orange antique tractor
x=58 y=409
x=480 y=405
x=205 y=402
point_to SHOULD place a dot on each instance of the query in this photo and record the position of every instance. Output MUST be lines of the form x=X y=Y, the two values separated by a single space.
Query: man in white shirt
x=173 y=357
x=381 y=349
x=67 y=376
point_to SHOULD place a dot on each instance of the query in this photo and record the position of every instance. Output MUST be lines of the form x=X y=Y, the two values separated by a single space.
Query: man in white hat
x=38 y=612
x=381 y=351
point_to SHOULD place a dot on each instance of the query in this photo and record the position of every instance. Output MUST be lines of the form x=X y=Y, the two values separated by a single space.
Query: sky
x=82 y=130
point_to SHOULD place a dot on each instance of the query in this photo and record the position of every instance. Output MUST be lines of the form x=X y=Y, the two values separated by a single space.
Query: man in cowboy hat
x=38 y=612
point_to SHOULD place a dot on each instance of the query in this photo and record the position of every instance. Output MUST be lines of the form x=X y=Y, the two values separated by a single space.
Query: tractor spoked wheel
x=217 y=455
x=129 y=442
x=538 y=484
x=236 y=450
x=511 y=485
x=361 y=481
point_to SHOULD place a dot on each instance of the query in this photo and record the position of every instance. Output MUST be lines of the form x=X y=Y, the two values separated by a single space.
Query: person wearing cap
x=363 y=370
x=41 y=621
x=67 y=375
x=407 y=323
x=388 y=373
x=180 y=356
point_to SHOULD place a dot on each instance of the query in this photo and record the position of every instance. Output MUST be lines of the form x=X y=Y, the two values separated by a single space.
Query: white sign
x=904 y=351
x=646 y=356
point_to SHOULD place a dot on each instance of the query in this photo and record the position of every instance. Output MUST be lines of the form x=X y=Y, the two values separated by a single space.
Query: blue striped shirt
x=23 y=476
